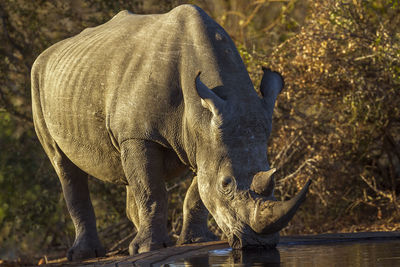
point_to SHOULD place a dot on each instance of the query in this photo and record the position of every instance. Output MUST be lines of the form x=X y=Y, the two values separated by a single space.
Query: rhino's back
x=124 y=79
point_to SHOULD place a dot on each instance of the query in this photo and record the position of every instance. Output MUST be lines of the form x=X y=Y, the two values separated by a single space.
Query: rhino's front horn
x=263 y=183
x=271 y=216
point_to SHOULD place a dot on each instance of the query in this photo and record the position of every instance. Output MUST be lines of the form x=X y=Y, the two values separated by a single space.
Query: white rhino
x=142 y=98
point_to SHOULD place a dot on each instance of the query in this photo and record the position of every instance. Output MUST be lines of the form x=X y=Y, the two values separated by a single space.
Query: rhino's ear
x=209 y=99
x=271 y=85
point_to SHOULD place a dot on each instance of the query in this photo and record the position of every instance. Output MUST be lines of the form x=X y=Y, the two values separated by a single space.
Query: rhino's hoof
x=140 y=245
x=135 y=248
x=80 y=252
x=190 y=238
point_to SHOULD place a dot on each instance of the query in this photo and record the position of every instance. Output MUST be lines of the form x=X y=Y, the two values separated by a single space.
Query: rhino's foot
x=147 y=242
x=85 y=248
x=188 y=237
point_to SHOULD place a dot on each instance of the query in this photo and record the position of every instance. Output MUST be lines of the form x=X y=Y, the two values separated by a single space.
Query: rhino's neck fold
x=189 y=145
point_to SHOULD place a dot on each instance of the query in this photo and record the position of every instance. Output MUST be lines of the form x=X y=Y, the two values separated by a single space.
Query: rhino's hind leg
x=195 y=215
x=146 y=197
x=74 y=183
x=76 y=193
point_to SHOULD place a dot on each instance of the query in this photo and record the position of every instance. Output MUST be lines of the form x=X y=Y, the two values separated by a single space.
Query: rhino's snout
x=264 y=221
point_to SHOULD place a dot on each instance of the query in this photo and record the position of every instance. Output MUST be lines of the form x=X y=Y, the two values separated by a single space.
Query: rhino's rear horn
x=263 y=183
x=271 y=216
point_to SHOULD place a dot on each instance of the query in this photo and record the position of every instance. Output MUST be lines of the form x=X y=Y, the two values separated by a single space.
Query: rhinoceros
x=141 y=99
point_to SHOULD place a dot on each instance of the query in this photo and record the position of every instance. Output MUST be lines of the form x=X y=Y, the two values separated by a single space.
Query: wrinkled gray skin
x=125 y=102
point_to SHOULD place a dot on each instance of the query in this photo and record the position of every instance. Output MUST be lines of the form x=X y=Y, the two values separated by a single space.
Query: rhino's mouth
x=248 y=239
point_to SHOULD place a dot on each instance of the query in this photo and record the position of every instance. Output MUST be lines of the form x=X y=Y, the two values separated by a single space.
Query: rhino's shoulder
x=122 y=14
x=182 y=13
x=187 y=9
x=116 y=19
x=190 y=14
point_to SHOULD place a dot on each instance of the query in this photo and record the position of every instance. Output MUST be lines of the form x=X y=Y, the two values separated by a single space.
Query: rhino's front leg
x=195 y=215
x=144 y=169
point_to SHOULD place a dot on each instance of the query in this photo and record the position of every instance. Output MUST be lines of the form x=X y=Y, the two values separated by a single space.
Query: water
x=359 y=254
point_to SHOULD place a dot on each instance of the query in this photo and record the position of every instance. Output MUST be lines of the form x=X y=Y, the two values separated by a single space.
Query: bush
x=338 y=120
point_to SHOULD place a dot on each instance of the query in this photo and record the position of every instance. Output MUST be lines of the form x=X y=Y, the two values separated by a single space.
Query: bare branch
x=372 y=185
x=305 y=163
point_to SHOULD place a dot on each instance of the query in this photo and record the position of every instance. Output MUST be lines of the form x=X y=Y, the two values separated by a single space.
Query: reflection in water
x=229 y=257
x=338 y=254
x=343 y=254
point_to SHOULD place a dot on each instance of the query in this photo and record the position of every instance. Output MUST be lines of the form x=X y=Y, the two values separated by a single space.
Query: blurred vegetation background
x=336 y=121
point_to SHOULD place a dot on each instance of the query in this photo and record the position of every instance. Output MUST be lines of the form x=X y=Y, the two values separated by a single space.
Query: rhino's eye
x=226 y=181
x=227 y=186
